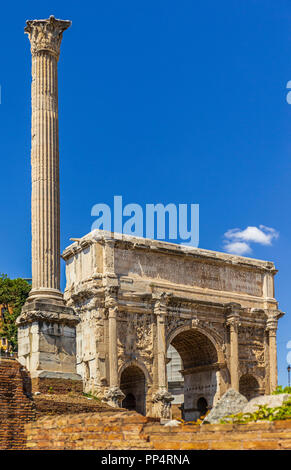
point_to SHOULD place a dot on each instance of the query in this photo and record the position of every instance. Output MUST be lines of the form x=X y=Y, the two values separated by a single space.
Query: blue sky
x=160 y=101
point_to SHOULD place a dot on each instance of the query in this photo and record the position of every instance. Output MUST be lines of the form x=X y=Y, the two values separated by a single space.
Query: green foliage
x=89 y=395
x=280 y=389
x=262 y=414
x=13 y=294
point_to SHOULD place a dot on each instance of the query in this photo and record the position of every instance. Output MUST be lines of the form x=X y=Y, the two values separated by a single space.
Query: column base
x=114 y=397
x=162 y=404
x=44 y=293
x=47 y=345
x=47 y=309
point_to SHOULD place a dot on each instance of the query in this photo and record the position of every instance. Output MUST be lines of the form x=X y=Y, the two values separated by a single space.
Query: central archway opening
x=175 y=381
x=133 y=385
x=192 y=374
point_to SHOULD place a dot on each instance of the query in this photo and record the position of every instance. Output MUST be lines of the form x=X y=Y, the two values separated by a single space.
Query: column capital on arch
x=111 y=301
x=233 y=312
x=161 y=301
x=272 y=319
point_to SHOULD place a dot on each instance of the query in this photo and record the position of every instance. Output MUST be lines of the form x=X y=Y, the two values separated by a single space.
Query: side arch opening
x=133 y=385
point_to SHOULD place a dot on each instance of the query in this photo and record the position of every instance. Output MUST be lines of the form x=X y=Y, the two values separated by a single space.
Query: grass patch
x=89 y=395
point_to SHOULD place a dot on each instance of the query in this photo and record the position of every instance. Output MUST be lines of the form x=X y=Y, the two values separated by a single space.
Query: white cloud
x=237 y=248
x=238 y=241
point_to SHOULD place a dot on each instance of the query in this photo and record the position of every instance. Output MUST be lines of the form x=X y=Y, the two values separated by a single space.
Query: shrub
x=263 y=413
x=280 y=389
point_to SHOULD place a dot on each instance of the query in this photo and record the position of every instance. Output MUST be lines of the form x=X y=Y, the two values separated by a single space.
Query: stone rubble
x=232 y=402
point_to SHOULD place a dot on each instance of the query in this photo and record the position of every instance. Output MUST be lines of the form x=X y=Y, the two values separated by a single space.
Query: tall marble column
x=233 y=323
x=162 y=398
x=46 y=327
x=160 y=312
x=114 y=395
x=45 y=39
x=272 y=331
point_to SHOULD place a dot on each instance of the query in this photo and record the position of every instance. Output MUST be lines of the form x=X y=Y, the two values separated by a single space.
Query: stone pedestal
x=47 y=346
x=114 y=397
x=162 y=404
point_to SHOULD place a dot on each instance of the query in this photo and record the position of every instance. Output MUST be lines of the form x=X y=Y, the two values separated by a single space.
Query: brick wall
x=16 y=408
x=93 y=431
x=128 y=430
x=113 y=430
x=49 y=405
x=255 y=436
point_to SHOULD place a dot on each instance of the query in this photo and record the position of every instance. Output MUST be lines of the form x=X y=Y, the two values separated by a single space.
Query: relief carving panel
x=188 y=272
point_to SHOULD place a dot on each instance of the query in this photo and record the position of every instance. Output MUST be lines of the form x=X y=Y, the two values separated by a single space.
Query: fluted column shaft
x=161 y=398
x=233 y=316
x=234 y=356
x=113 y=353
x=45 y=38
x=272 y=324
x=114 y=395
x=161 y=337
x=45 y=201
x=273 y=360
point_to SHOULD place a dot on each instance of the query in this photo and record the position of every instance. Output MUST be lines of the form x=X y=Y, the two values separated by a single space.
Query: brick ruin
x=130 y=431
x=44 y=423
x=19 y=406
x=16 y=405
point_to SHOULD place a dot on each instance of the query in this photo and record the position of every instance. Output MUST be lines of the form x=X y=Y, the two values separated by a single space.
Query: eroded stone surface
x=271 y=401
x=232 y=402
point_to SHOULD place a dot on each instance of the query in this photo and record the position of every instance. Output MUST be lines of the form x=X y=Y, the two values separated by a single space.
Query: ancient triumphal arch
x=134 y=297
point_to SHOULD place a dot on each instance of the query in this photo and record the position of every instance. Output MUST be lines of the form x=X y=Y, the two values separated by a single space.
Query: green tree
x=13 y=294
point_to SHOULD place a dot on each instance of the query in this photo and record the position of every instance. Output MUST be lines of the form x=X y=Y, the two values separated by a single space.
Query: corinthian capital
x=272 y=323
x=46 y=35
x=272 y=319
x=161 y=300
x=111 y=297
x=233 y=311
